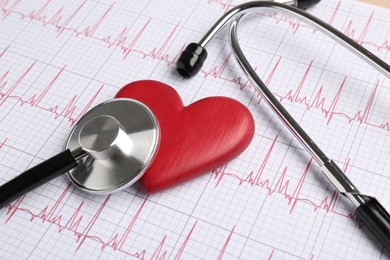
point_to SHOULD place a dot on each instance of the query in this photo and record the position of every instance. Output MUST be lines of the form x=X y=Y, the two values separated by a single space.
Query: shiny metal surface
x=287 y=2
x=272 y=101
x=285 y=6
x=236 y=12
x=338 y=179
x=120 y=138
x=232 y=18
x=104 y=138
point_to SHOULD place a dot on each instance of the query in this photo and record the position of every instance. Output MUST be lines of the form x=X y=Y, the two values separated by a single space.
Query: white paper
x=58 y=60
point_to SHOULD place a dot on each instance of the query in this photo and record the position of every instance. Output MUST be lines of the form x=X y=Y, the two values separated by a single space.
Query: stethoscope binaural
x=107 y=150
x=368 y=209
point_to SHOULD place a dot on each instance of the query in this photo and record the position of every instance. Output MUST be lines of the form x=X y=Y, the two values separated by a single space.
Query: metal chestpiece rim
x=121 y=138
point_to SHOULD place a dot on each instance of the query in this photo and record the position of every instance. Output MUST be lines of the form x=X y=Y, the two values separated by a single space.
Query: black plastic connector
x=304 y=4
x=376 y=219
x=191 y=60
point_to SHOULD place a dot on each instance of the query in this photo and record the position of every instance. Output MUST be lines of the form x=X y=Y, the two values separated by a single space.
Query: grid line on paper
x=227 y=213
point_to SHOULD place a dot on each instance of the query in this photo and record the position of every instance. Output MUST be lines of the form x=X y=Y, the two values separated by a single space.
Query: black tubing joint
x=304 y=4
x=191 y=60
x=375 y=217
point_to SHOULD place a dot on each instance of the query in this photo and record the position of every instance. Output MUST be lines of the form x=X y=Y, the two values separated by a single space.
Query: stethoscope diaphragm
x=121 y=138
x=109 y=149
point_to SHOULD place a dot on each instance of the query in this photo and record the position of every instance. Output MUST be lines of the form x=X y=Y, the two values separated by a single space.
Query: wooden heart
x=194 y=139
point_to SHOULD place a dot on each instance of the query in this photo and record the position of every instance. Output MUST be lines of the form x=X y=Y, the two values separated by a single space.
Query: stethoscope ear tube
x=368 y=209
x=36 y=176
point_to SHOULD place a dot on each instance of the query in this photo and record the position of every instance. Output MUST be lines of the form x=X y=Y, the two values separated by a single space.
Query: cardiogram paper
x=59 y=59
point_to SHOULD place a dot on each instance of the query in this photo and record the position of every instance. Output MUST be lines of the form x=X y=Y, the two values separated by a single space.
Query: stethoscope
x=108 y=150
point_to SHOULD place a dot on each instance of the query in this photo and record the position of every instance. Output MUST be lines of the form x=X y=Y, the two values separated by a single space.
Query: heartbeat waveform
x=61 y=23
x=6 y=93
x=293 y=96
x=361 y=115
x=283 y=185
x=53 y=215
x=350 y=31
x=226 y=244
x=117 y=242
x=295 y=25
x=226 y=5
x=127 y=46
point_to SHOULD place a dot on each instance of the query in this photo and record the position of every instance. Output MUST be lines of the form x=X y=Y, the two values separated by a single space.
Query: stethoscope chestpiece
x=120 y=138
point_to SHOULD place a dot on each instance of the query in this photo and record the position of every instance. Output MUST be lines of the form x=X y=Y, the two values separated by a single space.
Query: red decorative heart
x=194 y=139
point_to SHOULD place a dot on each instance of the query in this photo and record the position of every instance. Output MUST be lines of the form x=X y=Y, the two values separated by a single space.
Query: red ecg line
x=53 y=215
x=226 y=5
x=318 y=102
x=74 y=223
x=6 y=92
x=117 y=241
x=128 y=45
x=62 y=23
x=226 y=244
x=282 y=185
